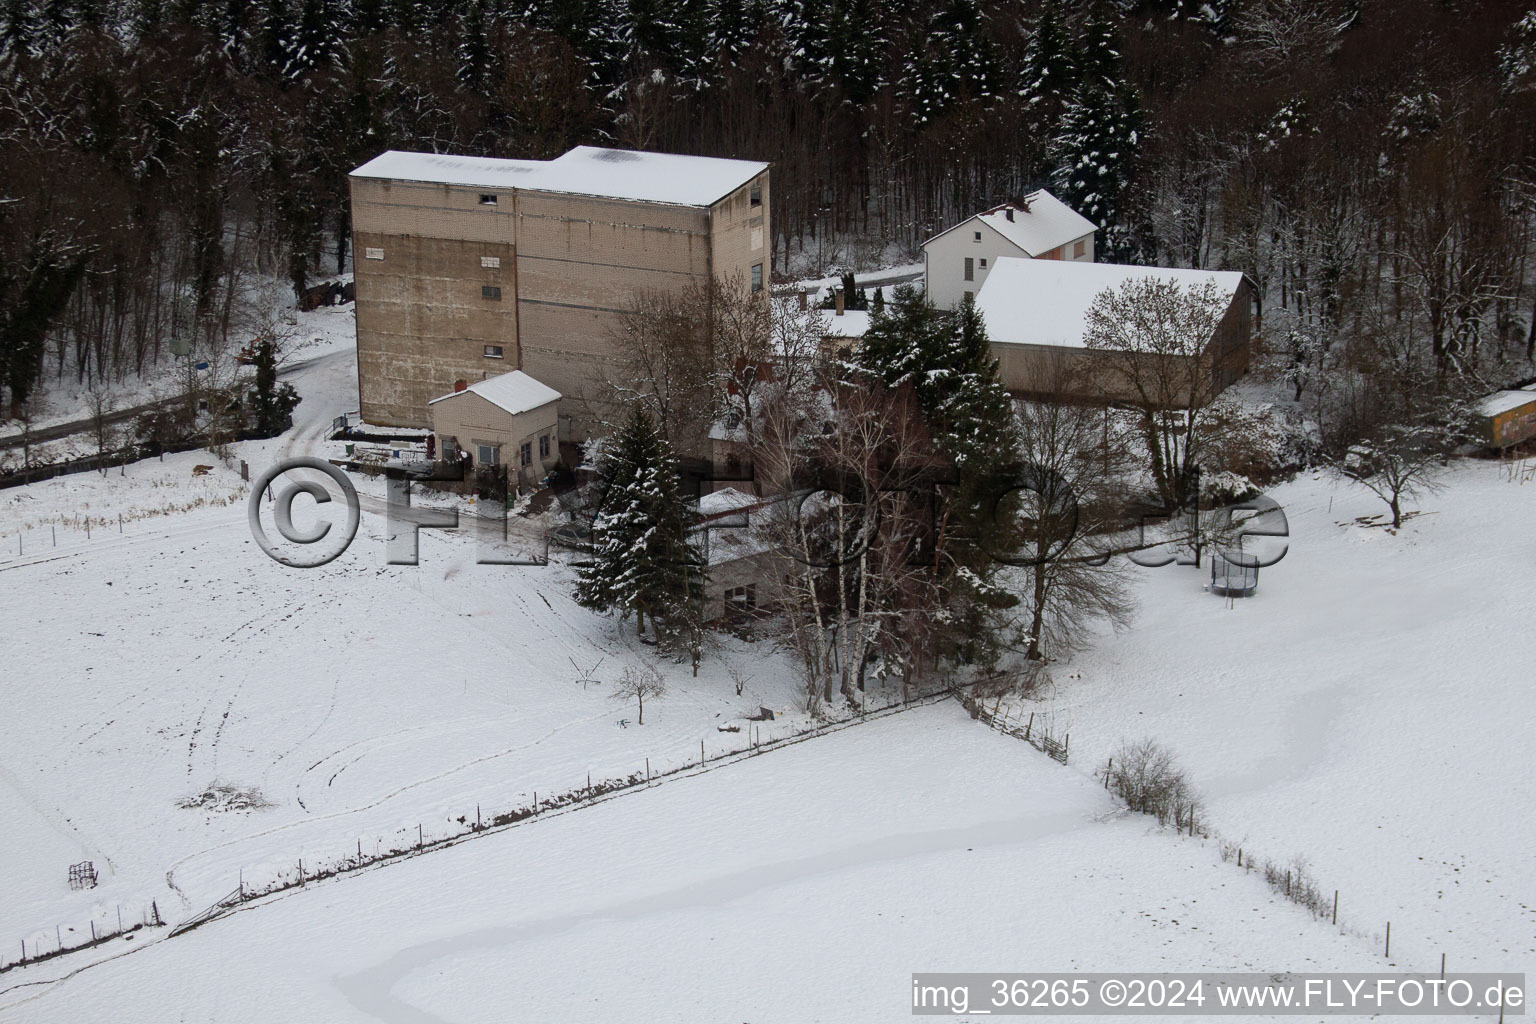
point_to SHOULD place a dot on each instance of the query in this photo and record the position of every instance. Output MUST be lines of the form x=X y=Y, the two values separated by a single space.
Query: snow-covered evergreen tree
x=948 y=364
x=672 y=34
x=1050 y=66
x=474 y=50
x=644 y=561
x=1101 y=133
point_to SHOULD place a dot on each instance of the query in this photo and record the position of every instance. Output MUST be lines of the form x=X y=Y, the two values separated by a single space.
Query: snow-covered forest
x=1363 y=160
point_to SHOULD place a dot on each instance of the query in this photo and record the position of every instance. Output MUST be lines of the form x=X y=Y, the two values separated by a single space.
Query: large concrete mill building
x=469 y=267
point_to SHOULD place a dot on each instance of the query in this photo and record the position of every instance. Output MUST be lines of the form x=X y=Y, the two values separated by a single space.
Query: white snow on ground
x=327 y=331
x=1369 y=709
x=361 y=699
x=803 y=885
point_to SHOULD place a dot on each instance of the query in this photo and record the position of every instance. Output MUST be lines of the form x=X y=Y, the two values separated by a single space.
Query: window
x=757 y=277
x=525 y=453
x=490 y=291
x=543 y=446
x=970 y=269
x=976 y=236
x=740 y=600
x=983 y=263
x=756 y=196
x=487 y=454
x=490 y=262
x=487 y=199
x=1078 y=248
x=493 y=352
x=373 y=254
x=969 y=296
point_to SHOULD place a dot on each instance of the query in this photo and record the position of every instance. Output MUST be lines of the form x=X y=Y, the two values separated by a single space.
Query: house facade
x=470 y=267
x=1039 y=226
x=508 y=420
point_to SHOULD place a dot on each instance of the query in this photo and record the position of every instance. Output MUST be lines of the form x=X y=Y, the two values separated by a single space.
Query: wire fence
x=1019 y=726
x=480 y=822
x=104 y=926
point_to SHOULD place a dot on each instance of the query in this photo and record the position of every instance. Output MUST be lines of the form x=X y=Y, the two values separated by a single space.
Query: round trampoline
x=1228 y=579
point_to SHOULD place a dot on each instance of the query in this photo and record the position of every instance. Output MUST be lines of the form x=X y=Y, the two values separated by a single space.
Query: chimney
x=1008 y=213
x=839 y=302
x=802 y=298
x=460 y=385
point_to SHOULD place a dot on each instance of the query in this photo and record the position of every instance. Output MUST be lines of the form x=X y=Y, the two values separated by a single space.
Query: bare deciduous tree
x=1074 y=494
x=639 y=684
x=1158 y=346
x=663 y=367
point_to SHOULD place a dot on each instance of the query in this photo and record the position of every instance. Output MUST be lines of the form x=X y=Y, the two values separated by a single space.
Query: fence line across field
x=476 y=823
x=148 y=918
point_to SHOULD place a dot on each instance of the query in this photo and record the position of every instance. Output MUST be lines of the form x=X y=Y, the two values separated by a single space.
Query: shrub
x=1148 y=778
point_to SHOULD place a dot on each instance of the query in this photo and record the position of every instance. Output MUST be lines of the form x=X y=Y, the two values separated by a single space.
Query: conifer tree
x=947 y=362
x=1050 y=67
x=644 y=561
x=1100 y=136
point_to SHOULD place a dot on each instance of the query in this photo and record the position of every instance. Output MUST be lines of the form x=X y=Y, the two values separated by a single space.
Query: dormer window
x=488 y=199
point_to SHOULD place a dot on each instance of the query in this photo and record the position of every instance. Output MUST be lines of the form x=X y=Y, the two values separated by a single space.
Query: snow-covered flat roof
x=1046 y=224
x=1504 y=401
x=1046 y=302
x=514 y=392
x=669 y=178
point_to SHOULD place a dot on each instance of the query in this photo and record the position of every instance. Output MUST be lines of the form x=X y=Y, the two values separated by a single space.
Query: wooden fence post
x=1388 y=952
x=701 y=753
x=1336 y=921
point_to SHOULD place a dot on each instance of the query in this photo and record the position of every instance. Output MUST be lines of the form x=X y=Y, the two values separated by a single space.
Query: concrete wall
x=472 y=420
x=945 y=257
x=570 y=266
x=422 y=319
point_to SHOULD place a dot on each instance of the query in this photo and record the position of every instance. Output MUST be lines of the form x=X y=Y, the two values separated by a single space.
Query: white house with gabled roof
x=506 y=420
x=1038 y=226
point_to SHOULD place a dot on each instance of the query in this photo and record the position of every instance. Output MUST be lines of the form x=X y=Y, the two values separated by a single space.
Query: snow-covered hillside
x=803 y=885
x=188 y=714
x=1368 y=709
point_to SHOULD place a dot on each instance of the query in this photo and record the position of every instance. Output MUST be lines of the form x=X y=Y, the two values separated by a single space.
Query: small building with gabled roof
x=1038 y=226
x=508 y=420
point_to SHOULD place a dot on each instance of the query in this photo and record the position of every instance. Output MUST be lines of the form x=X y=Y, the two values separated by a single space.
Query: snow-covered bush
x=1148 y=778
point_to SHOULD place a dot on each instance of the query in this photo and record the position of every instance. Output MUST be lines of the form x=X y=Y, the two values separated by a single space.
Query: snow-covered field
x=1369 y=710
x=803 y=885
